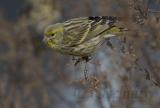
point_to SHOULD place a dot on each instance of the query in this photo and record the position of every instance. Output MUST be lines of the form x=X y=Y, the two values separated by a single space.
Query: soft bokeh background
x=124 y=73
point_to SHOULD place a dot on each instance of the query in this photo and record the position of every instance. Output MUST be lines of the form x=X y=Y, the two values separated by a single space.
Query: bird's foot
x=78 y=60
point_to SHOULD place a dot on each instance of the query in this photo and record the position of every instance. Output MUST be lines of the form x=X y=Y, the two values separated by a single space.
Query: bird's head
x=53 y=34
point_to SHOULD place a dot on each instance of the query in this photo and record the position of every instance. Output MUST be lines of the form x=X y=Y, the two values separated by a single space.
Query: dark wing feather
x=79 y=30
x=100 y=24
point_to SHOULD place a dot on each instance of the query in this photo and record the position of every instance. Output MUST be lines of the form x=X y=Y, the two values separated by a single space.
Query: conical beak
x=45 y=39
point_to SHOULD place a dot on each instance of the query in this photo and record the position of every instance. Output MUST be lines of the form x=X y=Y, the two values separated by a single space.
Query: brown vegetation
x=123 y=74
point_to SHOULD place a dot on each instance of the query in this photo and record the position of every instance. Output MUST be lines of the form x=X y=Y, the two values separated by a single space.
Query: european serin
x=81 y=36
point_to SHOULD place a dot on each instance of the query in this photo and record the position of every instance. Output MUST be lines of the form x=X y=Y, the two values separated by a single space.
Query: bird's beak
x=45 y=39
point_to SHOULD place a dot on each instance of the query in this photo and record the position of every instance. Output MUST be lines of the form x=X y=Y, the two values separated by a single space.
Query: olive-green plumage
x=81 y=36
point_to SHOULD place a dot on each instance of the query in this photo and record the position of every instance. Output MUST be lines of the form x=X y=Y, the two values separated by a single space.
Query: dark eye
x=52 y=34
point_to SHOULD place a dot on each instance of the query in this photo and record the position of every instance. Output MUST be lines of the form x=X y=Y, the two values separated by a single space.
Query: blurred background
x=124 y=73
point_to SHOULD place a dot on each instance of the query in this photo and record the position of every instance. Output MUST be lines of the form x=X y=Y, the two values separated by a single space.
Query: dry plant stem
x=153 y=72
x=85 y=72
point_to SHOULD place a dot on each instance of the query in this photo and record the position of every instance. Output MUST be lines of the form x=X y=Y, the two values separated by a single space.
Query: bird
x=81 y=36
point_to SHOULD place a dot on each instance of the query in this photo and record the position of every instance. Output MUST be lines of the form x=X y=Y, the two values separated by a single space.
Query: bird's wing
x=76 y=30
x=79 y=30
x=100 y=25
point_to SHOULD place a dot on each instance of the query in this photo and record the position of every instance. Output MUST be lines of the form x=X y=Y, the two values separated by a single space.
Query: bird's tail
x=115 y=31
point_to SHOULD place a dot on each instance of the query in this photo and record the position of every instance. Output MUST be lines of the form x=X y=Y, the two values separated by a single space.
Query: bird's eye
x=52 y=34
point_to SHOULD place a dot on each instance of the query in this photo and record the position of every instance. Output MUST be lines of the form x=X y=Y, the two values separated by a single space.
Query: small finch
x=81 y=36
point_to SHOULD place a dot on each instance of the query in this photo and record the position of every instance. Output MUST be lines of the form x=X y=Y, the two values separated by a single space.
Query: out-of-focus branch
x=152 y=73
